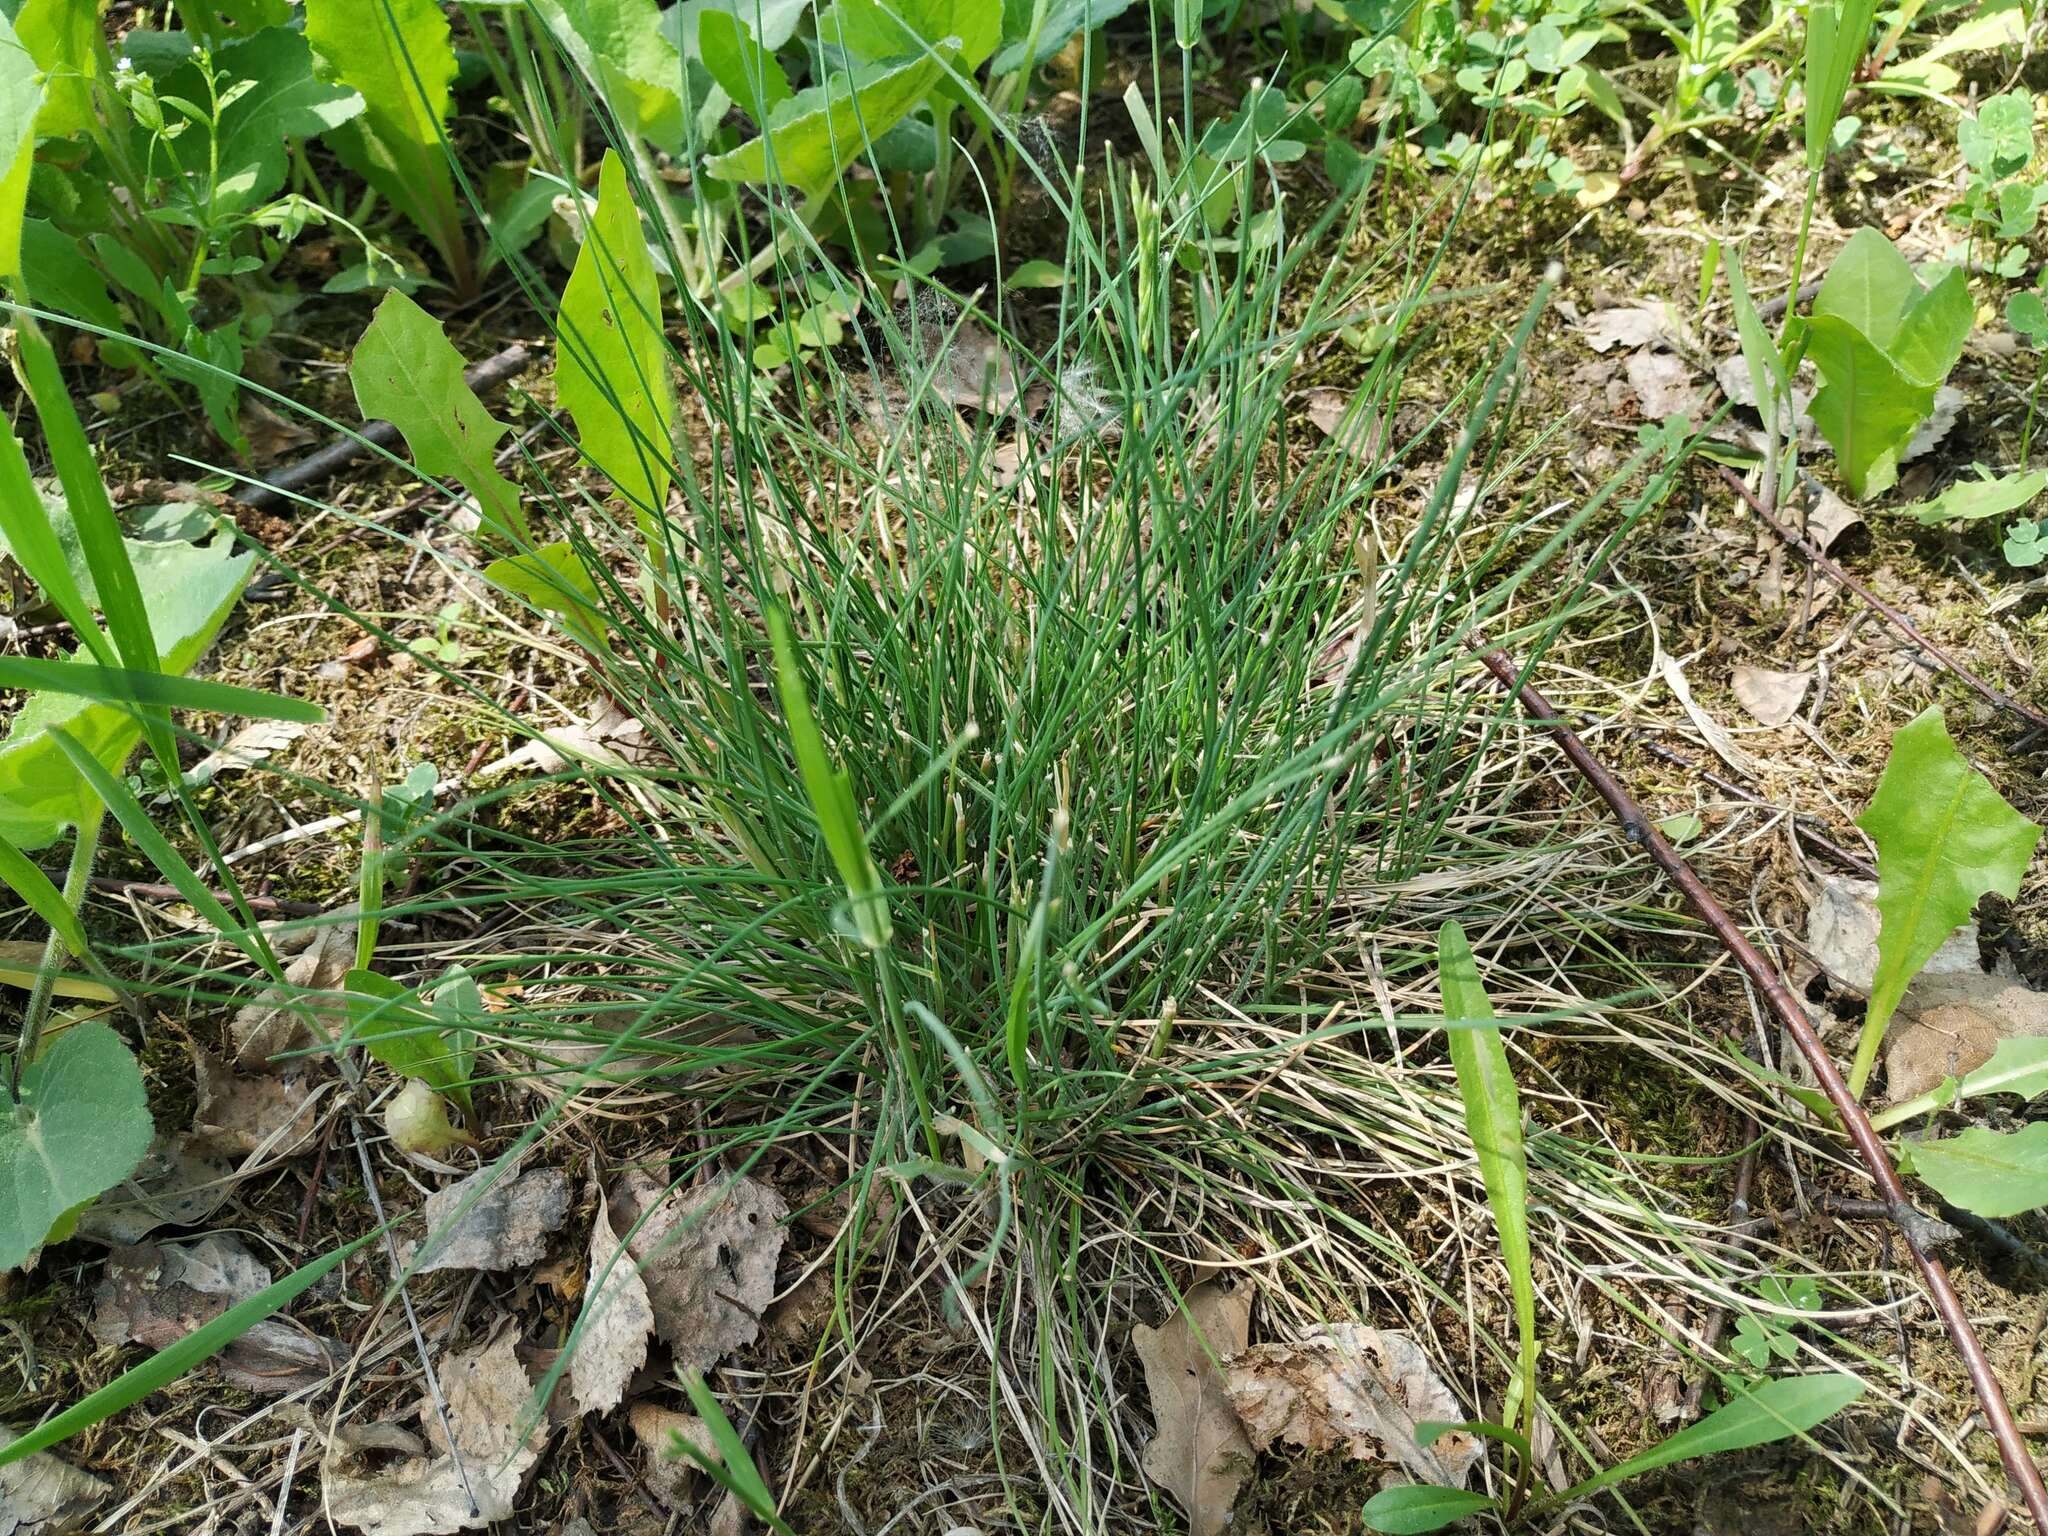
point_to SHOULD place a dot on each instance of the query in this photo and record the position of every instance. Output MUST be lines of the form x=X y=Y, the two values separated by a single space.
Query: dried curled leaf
x=1199 y=1452
x=708 y=1256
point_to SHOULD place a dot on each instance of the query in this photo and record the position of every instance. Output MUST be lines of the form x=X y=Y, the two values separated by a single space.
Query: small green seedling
x=1883 y=344
x=1762 y=1337
x=2001 y=205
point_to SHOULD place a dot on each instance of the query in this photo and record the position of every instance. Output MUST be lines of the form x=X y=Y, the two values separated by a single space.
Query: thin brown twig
x=1890 y=614
x=1640 y=829
x=114 y=885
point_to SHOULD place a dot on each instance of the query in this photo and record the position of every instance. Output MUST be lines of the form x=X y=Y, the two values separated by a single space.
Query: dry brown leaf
x=1626 y=325
x=708 y=1257
x=272 y=1025
x=506 y=1228
x=1772 y=697
x=156 y=1294
x=179 y=1184
x=42 y=1496
x=1827 y=519
x=1346 y=1387
x=1199 y=1452
x=1841 y=935
x=1663 y=385
x=671 y=1475
x=270 y=435
x=239 y=1113
x=1356 y=431
x=974 y=369
x=489 y=1400
x=252 y=744
x=618 y=1320
x=1710 y=729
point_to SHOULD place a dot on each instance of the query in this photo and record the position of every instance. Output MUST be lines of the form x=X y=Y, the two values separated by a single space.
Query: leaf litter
x=708 y=1258
x=1199 y=1450
x=507 y=1226
x=41 y=1495
x=618 y=1320
x=155 y=1294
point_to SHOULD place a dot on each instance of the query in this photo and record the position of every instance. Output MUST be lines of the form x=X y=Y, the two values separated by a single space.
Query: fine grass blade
x=1493 y=1118
x=152 y=690
x=167 y=1365
x=733 y=1469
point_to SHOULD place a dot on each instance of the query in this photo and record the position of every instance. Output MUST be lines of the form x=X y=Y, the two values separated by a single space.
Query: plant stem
x=77 y=880
x=1799 y=255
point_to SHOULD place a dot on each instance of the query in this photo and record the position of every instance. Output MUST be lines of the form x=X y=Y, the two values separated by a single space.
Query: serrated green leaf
x=62 y=36
x=288 y=100
x=79 y=1128
x=621 y=49
x=1493 y=1119
x=1865 y=408
x=817 y=133
x=1990 y=1173
x=743 y=68
x=1416 y=1507
x=21 y=99
x=1944 y=837
x=1777 y=1410
x=1986 y=496
x=554 y=580
x=906 y=29
x=611 y=369
x=406 y=371
x=397 y=55
x=1937 y=325
x=191 y=589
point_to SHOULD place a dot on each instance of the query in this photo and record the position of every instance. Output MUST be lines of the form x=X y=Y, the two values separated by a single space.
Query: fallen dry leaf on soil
x=155 y=1294
x=1199 y=1452
x=671 y=1475
x=240 y=1112
x=179 y=1184
x=270 y=435
x=708 y=1257
x=1626 y=325
x=1357 y=432
x=971 y=367
x=618 y=1320
x=1346 y=1387
x=1827 y=519
x=489 y=1399
x=1663 y=385
x=506 y=1228
x=252 y=744
x=1723 y=744
x=272 y=1024
x=42 y=1496
x=1772 y=697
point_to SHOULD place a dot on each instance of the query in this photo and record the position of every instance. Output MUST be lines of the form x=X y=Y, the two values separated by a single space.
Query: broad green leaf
x=774 y=22
x=396 y=54
x=1989 y=1173
x=906 y=29
x=1836 y=34
x=167 y=1365
x=151 y=690
x=1944 y=837
x=2018 y=1065
x=1987 y=496
x=21 y=99
x=25 y=878
x=1028 y=41
x=80 y=1127
x=287 y=101
x=1999 y=140
x=406 y=1039
x=621 y=49
x=1870 y=287
x=63 y=37
x=611 y=367
x=29 y=534
x=1777 y=1410
x=817 y=133
x=745 y=70
x=1493 y=1119
x=406 y=371
x=191 y=589
x=61 y=277
x=1416 y=1507
x=830 y=793
x=1865 y=408
x=1429 y=1431
x=1934 y=331
x=554 y=580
